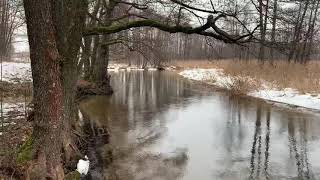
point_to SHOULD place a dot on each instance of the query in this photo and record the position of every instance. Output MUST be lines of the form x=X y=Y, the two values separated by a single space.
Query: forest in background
x=288 y=30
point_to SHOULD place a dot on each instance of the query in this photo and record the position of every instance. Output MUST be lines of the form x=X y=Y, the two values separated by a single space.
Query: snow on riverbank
x=83 y=166
x=212 y=76
x=16 y=72
x=287 y=96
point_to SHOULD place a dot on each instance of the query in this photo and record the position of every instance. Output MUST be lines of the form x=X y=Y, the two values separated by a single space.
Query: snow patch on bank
x=211 y=76
x=16 y=72
x=266 y=91
x=13 y=111
x=289 y=96
x=115 y=67
x=83 y=166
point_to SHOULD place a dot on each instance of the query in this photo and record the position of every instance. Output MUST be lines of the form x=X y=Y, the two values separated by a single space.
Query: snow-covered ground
x=266 y=91
x=83 y=166
x=16 y=72
x=13 y=110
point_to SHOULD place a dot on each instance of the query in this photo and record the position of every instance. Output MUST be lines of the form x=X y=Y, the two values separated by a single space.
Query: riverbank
x=114 y=67
x=293 y=84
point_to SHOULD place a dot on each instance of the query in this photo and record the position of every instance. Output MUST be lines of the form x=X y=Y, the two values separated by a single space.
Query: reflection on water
x=164 y=127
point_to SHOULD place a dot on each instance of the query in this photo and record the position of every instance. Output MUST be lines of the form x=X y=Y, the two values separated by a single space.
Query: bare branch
x=201 y=30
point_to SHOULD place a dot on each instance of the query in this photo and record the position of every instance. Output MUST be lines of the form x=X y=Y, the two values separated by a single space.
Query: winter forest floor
x=16 y=91
x=294 y=84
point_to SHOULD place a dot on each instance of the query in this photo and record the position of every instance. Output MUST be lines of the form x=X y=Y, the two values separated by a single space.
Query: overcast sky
x=21 y=40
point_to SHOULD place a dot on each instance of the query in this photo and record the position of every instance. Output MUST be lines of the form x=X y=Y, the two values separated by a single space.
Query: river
x=165 y=127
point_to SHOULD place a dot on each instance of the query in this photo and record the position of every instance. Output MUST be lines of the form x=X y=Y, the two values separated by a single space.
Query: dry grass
x=242 y=85
x=281 y=74
x=193 y=64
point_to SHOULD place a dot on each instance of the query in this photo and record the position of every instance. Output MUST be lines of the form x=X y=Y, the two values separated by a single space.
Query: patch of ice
x=83 y=166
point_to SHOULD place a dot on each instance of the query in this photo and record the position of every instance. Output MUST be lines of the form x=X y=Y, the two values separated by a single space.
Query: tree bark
x=273 y=32
x=295 y=47
x=101 y=77
x=86 y=57
x=263 y=28
x=310 y=46
x=69 y=19
x=55 y=32
x=47 y=90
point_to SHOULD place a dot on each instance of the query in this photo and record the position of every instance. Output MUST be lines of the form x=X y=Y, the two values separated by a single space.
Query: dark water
x=165 y=127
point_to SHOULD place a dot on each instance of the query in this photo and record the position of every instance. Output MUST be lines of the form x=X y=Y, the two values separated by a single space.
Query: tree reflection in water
x=298 y=144
x=256 y=150
x=131 y=117
x=226 y=137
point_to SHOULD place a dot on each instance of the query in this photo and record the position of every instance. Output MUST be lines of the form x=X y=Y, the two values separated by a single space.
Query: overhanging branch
x=201 y=30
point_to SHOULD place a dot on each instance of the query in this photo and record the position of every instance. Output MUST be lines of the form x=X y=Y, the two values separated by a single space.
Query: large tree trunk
x=48 y=92
x=55 y=31
x=101 y=77
x=69 y=19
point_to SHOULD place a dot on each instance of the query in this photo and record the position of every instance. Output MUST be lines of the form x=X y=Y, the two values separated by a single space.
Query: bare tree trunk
x=69 y=19
x=101 y=76
x=273 y=32
x=94 y=54
x=86 y=57
x=302 y=55
x=9 y=22
x=55 y=32
x=263 y=28
x=295 y=47
x=48 y=91
x=311 y=36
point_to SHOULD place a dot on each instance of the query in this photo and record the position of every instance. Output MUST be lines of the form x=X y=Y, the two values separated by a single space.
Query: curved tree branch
x=201 y=30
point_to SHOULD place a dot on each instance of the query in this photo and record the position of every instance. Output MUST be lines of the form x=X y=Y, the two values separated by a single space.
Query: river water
x=165 y=127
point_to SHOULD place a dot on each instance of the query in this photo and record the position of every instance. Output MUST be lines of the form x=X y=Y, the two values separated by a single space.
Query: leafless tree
x=11 y=19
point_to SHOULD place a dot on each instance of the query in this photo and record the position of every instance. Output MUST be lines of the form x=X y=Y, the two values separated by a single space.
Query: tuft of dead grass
x=242 y=85
x=203 y=64
x=279 y=75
